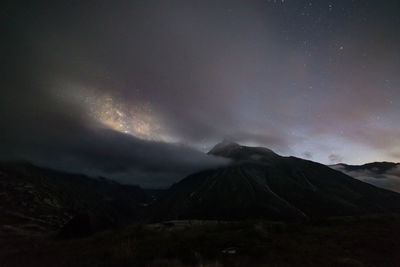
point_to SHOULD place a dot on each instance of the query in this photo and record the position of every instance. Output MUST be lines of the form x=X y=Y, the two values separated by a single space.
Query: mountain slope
x=382 y=174
x=262 y=184
x=33 y=198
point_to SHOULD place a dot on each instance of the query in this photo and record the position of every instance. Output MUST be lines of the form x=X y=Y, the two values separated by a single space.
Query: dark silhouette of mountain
x=39 y=199
x=382 y=174
x=260 y=184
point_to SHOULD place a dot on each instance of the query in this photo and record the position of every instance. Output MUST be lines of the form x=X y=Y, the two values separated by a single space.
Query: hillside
x=259 y=184
x=34 y=199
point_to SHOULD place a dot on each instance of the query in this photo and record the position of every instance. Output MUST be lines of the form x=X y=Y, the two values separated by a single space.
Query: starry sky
x=138 y=90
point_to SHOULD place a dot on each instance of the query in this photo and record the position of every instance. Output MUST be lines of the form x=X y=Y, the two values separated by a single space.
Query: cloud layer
x=48 y=135
x=387 y=179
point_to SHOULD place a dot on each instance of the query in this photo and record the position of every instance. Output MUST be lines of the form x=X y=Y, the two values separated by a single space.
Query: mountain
x=34 y=199
x=237 y=152
x=382 y=174
x=260 y=184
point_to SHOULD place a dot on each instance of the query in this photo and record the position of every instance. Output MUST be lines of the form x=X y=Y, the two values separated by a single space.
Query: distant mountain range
x=259 y=184
x=382 y=174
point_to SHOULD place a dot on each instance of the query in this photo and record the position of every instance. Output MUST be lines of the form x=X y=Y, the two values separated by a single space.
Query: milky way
x=314 y=79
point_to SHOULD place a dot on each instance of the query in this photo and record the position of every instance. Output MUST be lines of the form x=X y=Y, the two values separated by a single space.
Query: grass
x=346 y=241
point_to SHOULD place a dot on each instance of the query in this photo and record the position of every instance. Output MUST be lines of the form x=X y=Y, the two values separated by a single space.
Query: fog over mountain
x=382 y=174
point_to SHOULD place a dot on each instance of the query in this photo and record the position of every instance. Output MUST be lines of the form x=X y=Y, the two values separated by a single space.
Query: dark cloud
x=59 y=136
x=104 y=152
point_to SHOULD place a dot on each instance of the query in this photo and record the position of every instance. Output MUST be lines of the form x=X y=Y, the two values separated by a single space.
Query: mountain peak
x=223 y=146
x=238 y=152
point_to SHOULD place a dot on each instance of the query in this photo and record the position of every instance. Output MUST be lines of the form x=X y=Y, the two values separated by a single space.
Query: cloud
x=335 y=158
x=273 y=139
x=395 y=155
x=307 y=155
x=201 y=73
x=389 y=179
x=52 y=130
x=99 y=151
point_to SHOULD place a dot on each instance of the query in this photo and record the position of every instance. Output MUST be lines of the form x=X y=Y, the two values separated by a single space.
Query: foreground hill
x=382 y=174
x=261 y=184
x=38 y=199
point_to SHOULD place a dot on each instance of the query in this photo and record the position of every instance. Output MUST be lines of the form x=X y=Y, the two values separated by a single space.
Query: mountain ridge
x=260 y=184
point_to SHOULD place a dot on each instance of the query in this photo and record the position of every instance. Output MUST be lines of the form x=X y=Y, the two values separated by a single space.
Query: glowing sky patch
x=135 y=120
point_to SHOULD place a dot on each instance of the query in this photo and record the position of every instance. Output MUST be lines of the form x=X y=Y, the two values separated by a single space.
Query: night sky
x=138 y=90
